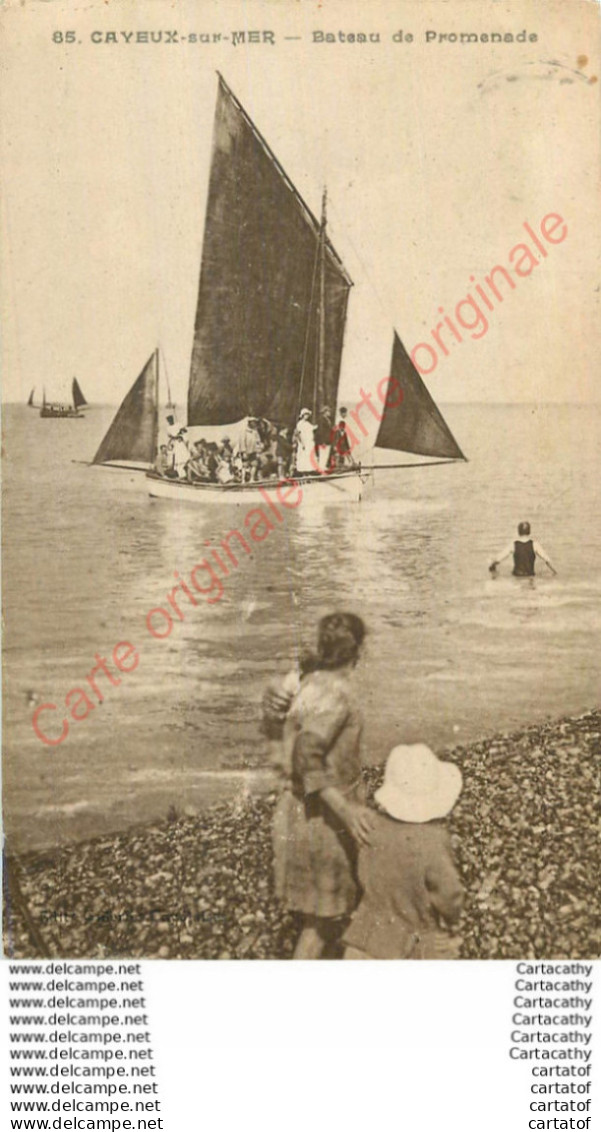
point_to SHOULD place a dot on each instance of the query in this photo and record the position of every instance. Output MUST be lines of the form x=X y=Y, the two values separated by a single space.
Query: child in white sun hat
x=412 y=893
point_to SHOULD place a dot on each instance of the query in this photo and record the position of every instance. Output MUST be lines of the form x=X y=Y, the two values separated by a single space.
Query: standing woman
x=320 y=818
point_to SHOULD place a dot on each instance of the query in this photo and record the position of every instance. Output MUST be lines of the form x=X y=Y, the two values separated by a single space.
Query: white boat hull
x=337 y=487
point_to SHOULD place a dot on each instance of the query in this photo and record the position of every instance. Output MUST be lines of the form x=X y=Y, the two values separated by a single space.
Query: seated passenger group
x=264 y=452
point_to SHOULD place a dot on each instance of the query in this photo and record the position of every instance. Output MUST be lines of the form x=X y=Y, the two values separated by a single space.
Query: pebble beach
x=199 y=886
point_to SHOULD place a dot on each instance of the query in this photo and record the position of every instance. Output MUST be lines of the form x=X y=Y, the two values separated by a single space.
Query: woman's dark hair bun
x=339 y=639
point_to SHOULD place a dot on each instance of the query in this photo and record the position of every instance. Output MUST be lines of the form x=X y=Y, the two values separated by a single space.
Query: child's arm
x=276 y=702
x=356 y=818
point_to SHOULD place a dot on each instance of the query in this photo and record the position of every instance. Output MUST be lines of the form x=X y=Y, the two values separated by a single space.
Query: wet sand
x=200 y=886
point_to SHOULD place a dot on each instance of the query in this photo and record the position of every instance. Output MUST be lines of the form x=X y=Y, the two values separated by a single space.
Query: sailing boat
x=268 y=337
x=64 y=409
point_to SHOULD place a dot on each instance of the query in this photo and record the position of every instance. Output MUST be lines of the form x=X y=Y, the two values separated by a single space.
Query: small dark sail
x=255 y=347
x=30 y=400
x=415 y=424
x=133 y=435
x=78 y=397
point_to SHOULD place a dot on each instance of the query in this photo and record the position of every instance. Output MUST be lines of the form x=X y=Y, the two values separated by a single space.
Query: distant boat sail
x=78 y=398
x=30 y=404
x=269 y=327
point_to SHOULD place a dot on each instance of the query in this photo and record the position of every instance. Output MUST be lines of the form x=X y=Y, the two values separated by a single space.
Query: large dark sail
x=133 y=435
x=414 y=424
x=78 y=397
x=255 y=348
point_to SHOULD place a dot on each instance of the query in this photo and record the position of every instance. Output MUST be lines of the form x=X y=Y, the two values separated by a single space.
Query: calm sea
x=452 y=655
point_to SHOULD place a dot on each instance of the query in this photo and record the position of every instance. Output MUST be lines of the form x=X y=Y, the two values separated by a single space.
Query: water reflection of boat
x=62 y=408
x=268 y=338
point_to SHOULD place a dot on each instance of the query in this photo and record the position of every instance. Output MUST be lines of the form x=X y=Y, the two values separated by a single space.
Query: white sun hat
x=418 y=787
x=305 y=413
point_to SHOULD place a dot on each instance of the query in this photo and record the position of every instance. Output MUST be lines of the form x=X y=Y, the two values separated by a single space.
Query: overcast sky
x=434 y=154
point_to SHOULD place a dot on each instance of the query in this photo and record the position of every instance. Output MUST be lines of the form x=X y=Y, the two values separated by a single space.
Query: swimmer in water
x=525 y=551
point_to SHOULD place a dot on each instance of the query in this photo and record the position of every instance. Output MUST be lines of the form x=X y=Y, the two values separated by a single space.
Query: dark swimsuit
x=523 y=559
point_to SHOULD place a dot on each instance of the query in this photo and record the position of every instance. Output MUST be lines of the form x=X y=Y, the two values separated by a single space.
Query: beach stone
x=525 y=834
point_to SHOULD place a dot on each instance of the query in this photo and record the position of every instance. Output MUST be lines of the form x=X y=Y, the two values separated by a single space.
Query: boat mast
x=160 y=351
x=157 y=355
x=318 y=399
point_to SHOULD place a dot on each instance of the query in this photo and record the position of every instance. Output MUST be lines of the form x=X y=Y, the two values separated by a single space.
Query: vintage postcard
x=301 y=452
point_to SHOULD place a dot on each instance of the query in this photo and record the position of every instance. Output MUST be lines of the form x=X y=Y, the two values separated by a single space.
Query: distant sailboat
x=270 y=320
x=30 y=404
x=57 y=409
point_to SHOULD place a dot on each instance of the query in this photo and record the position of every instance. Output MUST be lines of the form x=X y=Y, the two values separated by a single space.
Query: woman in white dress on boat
x=304 y=443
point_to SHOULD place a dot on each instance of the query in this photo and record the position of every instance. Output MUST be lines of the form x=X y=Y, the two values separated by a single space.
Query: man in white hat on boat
x=304 y=443
x=412 y=893
x=181 y=453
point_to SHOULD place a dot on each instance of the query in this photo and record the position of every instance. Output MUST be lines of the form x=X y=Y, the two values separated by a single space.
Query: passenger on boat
x=173 y=429
x=196 y=468
x=225 y=471
x=250 y=442
x=323 y=437
x=525 y=551
x=304 y=442
x=181 y=453
x=284 y=452
x=265 y=430
x=238 y=467
x=164 y=461
x=340 y=453
x=268 y=459
x=212 y=460
x=251 y=468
